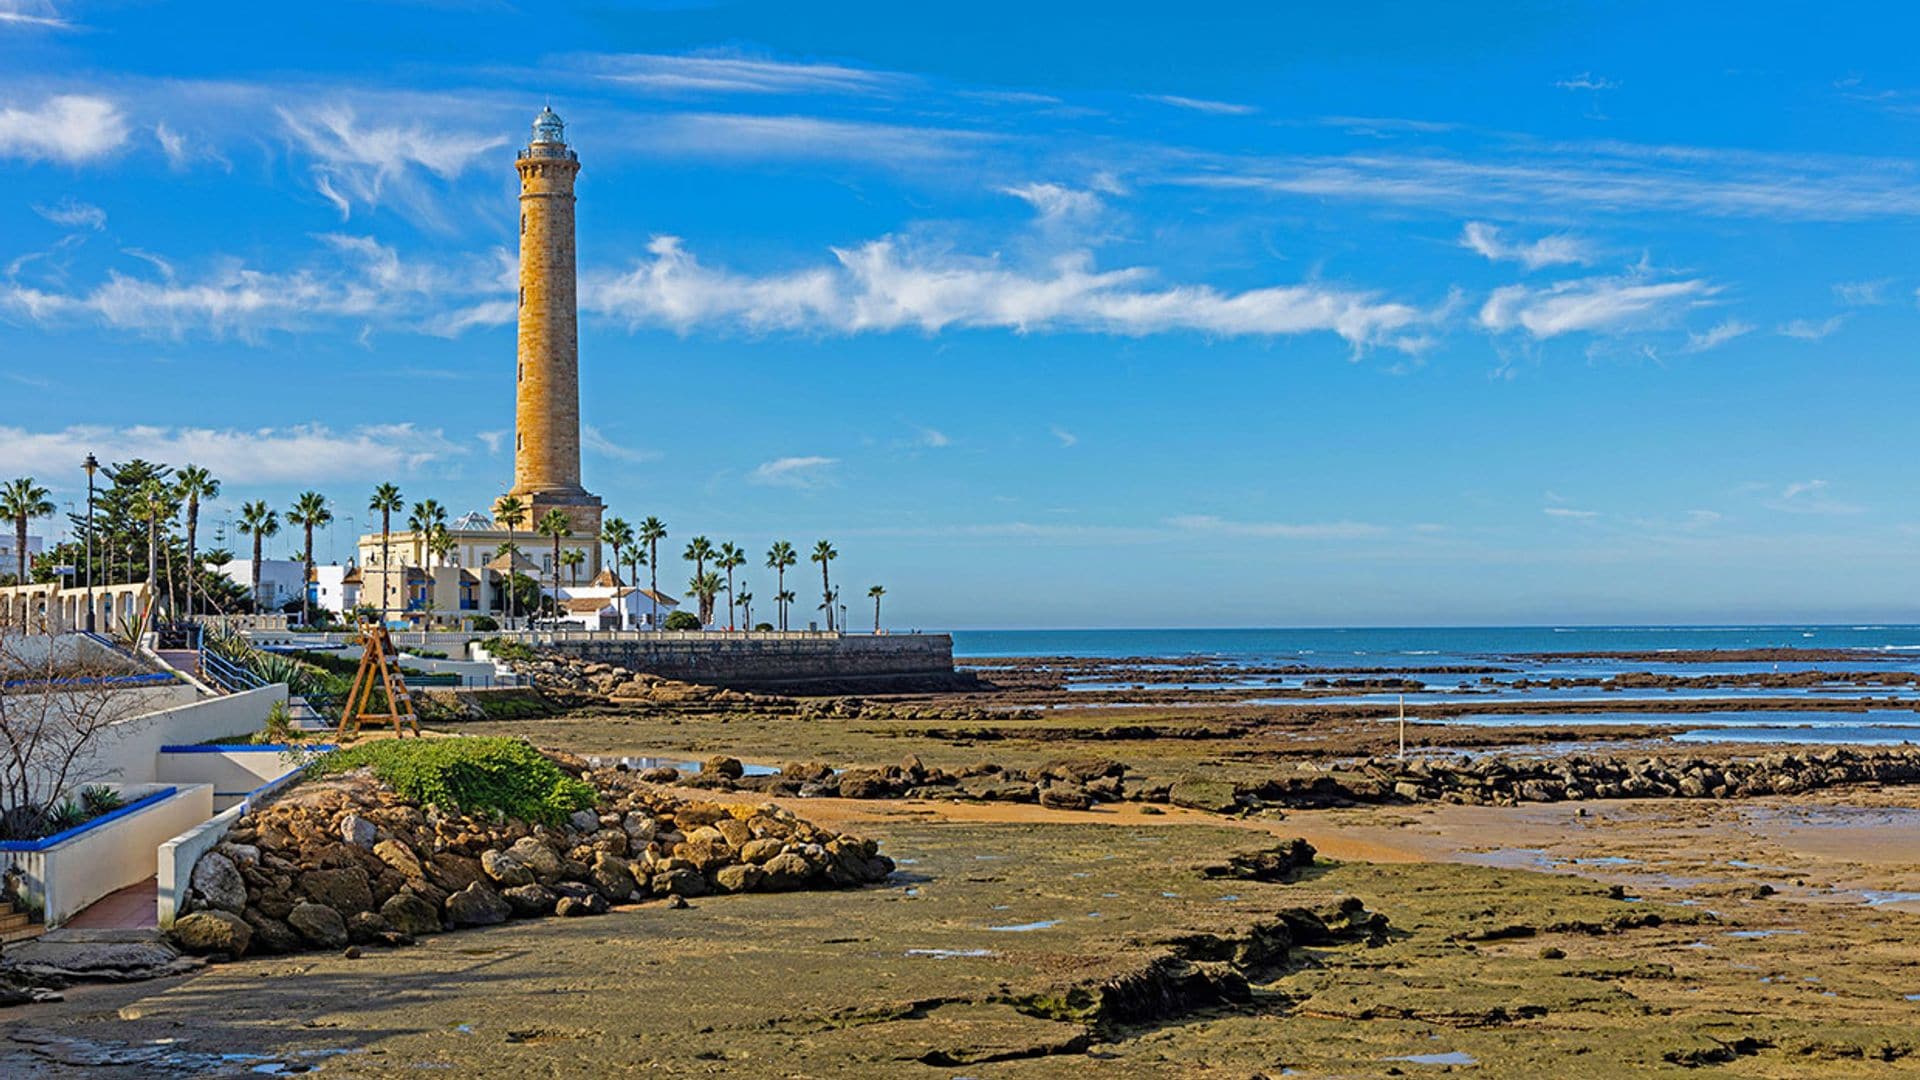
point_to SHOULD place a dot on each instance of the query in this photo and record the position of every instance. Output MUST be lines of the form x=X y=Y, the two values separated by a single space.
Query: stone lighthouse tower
x=546 y=442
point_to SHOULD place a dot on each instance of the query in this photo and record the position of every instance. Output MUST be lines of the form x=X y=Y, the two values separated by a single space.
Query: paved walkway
x=132 y=908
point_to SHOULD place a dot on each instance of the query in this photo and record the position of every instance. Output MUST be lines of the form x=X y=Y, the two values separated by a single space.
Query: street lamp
x=92 y=466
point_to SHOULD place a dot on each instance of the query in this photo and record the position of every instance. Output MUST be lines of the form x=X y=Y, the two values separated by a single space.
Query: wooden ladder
x=377 y=670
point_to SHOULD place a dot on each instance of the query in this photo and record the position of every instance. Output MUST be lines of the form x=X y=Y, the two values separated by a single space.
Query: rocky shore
x=343 y=862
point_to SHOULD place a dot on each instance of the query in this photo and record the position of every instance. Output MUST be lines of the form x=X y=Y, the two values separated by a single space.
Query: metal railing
x=227 y=675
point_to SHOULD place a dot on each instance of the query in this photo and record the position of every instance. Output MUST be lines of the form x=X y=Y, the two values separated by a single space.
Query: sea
x=1879 y=715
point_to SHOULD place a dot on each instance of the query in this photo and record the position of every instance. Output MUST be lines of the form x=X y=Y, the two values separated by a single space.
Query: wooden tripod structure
x=377 y=669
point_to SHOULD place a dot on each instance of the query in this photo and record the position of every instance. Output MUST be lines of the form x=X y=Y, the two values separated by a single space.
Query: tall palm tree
x=426 y=515
x=823 y=554
x=196 y=485
x=555 y=524
x=153 y=503
x=876 y=591
x=652 y=531
x=779 y=557
x=744 y=601
x=440 y=544
x=309 y=511
x=386 y=499
x=618 y=535
x=784 y=598
x=23 y=500
x=258 y=520
x=730 y=559
x=699 y=550
x=573 y=558
x=706 y=586
x=510 y=511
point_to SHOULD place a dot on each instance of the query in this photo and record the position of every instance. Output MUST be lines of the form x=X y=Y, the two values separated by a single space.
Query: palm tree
x=195 y=485
x=23 y=500
x=440 y=543
x=556 y=525
x=823 y=554
x=153 y=503
x=619 y=536
x=652 y=531
x=876 y=592
x=386 y=499
x=258 y=520
x=744 y=600
x=573 y=558
x=699 y=550
x=779 y=557
x=510 y=511
x=426 y=515
x=706 y=586
x=309 y=511
x=730 y=559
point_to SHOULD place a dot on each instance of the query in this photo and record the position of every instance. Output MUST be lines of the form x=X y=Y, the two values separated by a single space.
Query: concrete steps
x=18 y=926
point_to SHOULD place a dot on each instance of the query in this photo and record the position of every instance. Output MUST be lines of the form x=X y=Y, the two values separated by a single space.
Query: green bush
x=483 y=624
x=682 y=620
x=477 y=775
x=97 y=800
x=507 y=649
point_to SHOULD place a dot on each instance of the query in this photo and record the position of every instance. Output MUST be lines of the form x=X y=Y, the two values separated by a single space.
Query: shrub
x=484 y=624
x=100 y=800
x=507 y=649
x=682 y=620
x=477 y=775
x=763 y=627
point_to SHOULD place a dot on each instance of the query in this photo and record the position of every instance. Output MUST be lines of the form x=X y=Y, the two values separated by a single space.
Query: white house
x=606 y=603
x=9 y=558
x=281 y=580
x=336 y=588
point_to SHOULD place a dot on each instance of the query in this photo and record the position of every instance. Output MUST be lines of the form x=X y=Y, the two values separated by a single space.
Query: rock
x=639 y=827
x=865 y=784
x=677 y=903
x=660 y=774
x=352 y=952
x=734 y=831
x=728 y=767
x=367 y=927
x=613 y=876
x=410 y=914
x=743 y=877
x=320 y=925
x=679 y=883
x=529 y=901
x=271 y=936
x=215 y=933
x=585 y=821
x=1196 y=793
x=786 y=871
x=505 y=869
x=401 y=858
x=357 y=831
x=477 y=905
x=1065 y=797
x=217 y=884
x=545 y=864
x=345 y=890
x=759 y=851
x=571 y=906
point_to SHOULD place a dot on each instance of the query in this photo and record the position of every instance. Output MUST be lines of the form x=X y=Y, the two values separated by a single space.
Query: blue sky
x=1049 y=315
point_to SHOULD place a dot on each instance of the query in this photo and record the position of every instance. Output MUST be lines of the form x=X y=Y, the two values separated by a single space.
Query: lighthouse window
x=523 y=224
x=523 y=296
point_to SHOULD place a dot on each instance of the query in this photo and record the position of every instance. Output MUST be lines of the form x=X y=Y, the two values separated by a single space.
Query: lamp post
x=92 y=466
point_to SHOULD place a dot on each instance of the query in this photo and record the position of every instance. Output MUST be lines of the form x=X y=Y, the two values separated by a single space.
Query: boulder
x=321 y=926
x=865 y=784
x=639 y=828
x=505 y=869
x=368 y=928
x=345 y=890
x=741 y=877
x=734 y=831
x=786 y=871
x=357 y=831
x=215 y=933
x=679 y=883
x=477 y=905
x=411 y=914
x=270 y=935
x=728 y=767
x=759 y=851
x=1065 y=796
x=539 y=856
x=529 y=901
x=571 y=906
x=1195 y=793
x=217 y=884
x=585 y=821
x=401 y=858
x=613 y=876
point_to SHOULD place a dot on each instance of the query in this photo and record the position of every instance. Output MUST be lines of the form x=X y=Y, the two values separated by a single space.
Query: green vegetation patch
x=473 y=774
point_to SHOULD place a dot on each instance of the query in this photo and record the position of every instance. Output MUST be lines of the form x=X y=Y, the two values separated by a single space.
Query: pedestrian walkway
x=132 y=908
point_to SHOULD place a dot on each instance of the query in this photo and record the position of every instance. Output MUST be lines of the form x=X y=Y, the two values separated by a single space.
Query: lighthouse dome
x=548 y=127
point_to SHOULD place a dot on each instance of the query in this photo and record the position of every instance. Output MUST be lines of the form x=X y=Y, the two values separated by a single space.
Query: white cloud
x=1718 y=335
x=1809 y=330
x=592 y=439
x=736 y=135
x=1810 y=497
x=1587 y=80
x=1057 y=203
x=794 y=472
x=368 y=163
x=73 y=214
x=1555 y=250
x=1218 y=108
x=32 y=15
x=492 y=440
x=259 y=456
x=1569 y=512
x=881 y=287
x=933 y=438
x=1596 y=305
x=1277 y=530
x=733 y=73
x=1067 y=438
x=1862 y=293
x=69 y=128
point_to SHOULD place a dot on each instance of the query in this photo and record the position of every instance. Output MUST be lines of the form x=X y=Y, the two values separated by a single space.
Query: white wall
x=281 y=580
x=131 y=754
x=233 y=771
x=113 y=854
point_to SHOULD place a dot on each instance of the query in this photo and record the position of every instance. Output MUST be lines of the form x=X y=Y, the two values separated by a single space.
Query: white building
x=336 y=588
x=607 y=604
x=281 y=580
x=9 y=558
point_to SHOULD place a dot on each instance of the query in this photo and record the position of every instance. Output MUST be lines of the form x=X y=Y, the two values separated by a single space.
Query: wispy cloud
x=1596 y=305
x=1811 y=330
x=256 y=456
x=32 y=15
x=1067 y=438
x=1716 y=336
x=1810 y=497
x=1570 y=512
x=1277 y=530
x=795 y=472
x=1862 y=293
x=1555 y=250
x=68 y=128
x=592 y=439
x=73 y=214
x=368 y=162
x=1218 y=108
x=736 y=73
x=883 y=286
x=744 y=136
x=1587 y=81
x=1057 y=203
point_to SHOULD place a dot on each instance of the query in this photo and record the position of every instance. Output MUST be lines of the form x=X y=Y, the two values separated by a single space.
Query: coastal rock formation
x=310 y=875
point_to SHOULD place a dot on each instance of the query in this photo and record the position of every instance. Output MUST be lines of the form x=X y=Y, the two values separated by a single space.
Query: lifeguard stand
x=377 y=668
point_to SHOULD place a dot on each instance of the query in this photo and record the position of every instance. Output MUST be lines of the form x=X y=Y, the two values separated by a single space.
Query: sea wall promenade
x=765 y=660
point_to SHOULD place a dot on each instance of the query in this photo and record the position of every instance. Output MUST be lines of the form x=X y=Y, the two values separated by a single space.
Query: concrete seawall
x=855 y=663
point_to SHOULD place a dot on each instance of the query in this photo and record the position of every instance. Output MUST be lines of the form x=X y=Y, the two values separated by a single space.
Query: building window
x=523 y=296
x=519 y=442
